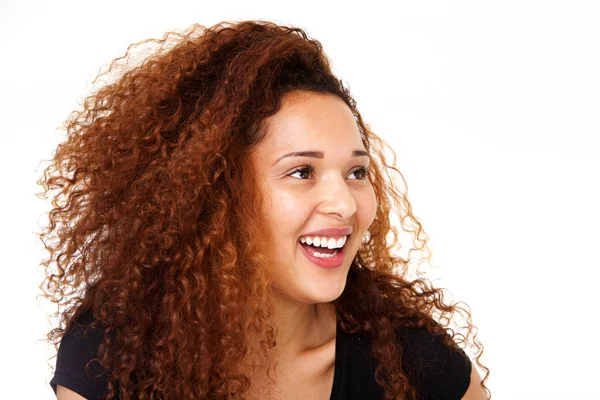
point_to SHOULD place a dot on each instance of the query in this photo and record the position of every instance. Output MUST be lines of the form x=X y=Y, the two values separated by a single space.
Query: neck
x=303 y=327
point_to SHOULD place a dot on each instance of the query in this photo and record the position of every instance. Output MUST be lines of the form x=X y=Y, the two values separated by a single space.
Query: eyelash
x=310 y=169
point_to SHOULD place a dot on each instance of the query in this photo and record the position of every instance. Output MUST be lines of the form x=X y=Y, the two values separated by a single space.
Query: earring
x=366 y=237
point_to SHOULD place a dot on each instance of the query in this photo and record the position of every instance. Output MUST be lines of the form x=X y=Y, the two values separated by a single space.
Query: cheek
x=368 y=208
x=287 y=211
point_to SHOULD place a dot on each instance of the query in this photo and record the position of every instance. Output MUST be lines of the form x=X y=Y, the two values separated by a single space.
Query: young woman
x=221 y=230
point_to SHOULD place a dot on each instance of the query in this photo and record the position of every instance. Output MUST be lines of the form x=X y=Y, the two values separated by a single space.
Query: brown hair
x=152 y=185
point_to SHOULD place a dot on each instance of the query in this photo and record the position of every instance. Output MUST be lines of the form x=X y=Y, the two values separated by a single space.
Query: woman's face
x=310 y=169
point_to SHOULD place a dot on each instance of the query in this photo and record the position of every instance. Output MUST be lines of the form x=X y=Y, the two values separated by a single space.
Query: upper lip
x=331 y=232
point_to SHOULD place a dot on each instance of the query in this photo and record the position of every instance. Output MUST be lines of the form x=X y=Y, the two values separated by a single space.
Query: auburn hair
x=156 y=224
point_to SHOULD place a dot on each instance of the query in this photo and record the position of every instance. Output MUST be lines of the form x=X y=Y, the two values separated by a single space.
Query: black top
x=438 y=372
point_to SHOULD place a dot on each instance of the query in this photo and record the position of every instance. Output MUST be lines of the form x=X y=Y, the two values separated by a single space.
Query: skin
x=62 y=393
x=475 y=391
x=335 y=194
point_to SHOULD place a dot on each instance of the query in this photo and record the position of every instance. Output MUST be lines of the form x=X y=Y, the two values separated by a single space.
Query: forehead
x=311 y=120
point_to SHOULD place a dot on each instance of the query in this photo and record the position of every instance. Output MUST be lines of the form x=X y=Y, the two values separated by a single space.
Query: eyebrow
x=317 y=154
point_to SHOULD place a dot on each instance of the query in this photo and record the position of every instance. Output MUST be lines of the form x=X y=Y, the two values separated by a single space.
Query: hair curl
x=151 y=186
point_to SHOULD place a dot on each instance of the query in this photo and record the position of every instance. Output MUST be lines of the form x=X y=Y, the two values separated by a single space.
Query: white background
x=492 y=108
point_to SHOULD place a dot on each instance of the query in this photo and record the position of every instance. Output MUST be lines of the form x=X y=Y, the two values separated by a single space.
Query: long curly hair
x=156 y=224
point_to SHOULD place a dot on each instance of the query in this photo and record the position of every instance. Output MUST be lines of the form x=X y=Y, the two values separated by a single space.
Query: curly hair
x=156 y=227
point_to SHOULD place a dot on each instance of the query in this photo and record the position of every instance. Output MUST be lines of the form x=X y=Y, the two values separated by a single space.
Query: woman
x=222 y=229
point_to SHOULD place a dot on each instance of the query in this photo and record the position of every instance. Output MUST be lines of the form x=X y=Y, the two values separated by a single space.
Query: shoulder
x=475 y=391
x=76 y=366
x=438 y=370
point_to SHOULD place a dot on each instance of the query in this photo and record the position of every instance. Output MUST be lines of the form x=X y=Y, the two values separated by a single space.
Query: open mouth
x=329 y=256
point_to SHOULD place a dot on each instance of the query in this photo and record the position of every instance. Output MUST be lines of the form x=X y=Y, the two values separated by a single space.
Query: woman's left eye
x=364 y=172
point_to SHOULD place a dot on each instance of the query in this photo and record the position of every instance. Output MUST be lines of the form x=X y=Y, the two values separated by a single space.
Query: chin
x=328 y=294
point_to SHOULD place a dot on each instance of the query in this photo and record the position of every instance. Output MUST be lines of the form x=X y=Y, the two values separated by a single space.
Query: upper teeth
x=331 y=243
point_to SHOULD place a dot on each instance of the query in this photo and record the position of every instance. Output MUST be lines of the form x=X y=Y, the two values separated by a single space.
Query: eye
x=306 y=169
x=363 y=172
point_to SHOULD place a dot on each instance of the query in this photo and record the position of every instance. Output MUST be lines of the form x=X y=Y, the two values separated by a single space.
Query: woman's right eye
x=306 y=169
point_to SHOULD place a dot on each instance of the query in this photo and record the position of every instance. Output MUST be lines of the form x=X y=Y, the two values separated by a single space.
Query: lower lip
x=327 y=263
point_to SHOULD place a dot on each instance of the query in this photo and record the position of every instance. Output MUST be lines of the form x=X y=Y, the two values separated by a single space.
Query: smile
x=326 y=253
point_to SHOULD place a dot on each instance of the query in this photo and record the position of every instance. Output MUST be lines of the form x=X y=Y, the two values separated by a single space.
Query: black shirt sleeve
x=438 y=371
x=74 y=353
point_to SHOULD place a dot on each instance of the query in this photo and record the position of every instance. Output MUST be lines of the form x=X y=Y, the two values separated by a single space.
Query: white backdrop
x=492 y=107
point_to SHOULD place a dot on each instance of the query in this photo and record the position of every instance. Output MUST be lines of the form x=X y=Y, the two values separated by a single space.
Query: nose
x=337 y=198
